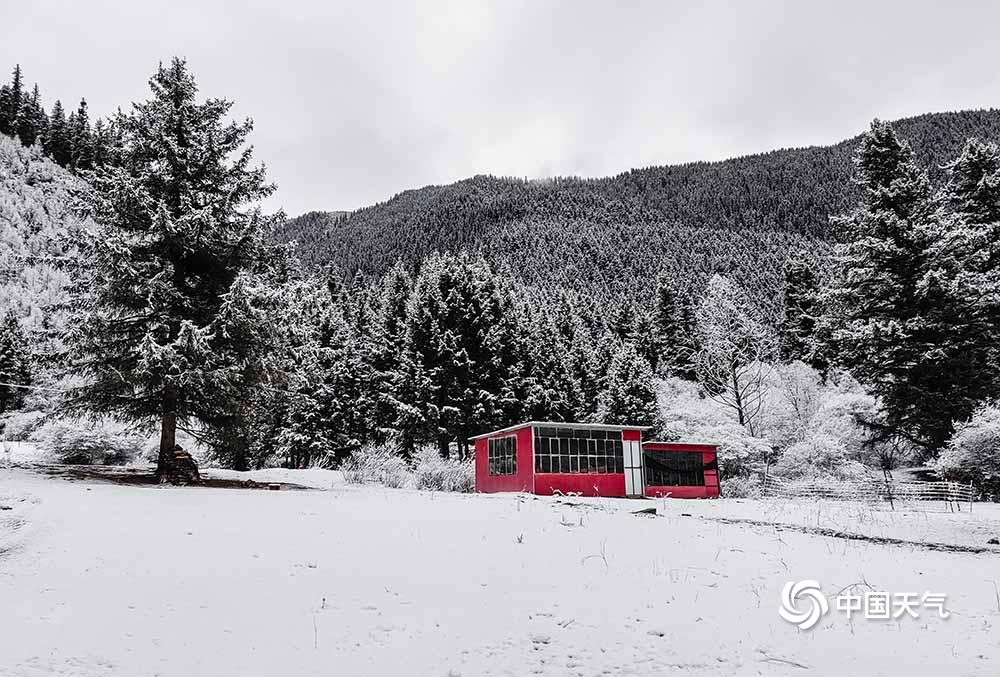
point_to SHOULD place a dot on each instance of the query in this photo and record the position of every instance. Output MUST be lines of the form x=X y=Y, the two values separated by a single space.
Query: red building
x=592 y=459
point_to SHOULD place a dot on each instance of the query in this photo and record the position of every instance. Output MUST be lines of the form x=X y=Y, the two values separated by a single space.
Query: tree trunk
x=168 y=442
x=736 y=394
x=443 y=447
x=173 y=464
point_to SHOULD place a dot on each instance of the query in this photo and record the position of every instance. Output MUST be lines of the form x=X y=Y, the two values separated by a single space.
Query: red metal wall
x=709 y=453
x=584 y=484
x=522 y=481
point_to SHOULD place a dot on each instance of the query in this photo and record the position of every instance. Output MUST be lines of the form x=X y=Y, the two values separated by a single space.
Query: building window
x=674 y=469
x=578 y=451
x=503 y=455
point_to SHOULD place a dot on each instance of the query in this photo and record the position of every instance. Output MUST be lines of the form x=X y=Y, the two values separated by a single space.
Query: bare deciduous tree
x=735 y=348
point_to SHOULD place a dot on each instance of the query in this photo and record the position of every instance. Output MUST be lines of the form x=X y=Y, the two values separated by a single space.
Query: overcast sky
x=356 y=101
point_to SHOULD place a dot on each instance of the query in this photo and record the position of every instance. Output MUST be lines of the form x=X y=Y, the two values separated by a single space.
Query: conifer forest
x=828 y=310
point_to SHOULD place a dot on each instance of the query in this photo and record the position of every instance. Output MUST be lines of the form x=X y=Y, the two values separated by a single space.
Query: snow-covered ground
x=102 y=579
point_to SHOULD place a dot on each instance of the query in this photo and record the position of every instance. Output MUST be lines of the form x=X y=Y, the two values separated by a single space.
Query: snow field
x=123 y=580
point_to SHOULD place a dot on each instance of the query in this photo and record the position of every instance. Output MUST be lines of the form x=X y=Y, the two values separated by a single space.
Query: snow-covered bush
x=793 y=394
x=973 y=453
x=377 y=464
x=19 y=425
x=819 y=456
x=88 y=442
x=742 y=487
x=443 y=474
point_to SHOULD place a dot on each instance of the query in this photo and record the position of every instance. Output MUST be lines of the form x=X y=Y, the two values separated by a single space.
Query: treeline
x=68 y=138
x=449 y=353
x=608 y=237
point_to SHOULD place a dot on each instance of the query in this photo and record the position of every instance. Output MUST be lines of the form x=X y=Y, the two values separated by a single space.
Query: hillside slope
x=37 y=229
x=610 y=236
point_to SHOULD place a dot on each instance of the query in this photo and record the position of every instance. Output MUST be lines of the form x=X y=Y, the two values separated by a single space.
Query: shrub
x=431 y=471
x=973 y=453
x=820 y=456
x=88 y=442
x=19 y=425
x=377 y=464
x=742 y=487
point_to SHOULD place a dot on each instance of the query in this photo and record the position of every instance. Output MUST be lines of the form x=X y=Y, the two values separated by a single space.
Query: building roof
x=561 y=424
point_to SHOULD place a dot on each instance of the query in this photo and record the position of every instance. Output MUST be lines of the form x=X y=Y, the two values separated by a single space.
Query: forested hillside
x=609 y=237
x=38 y=231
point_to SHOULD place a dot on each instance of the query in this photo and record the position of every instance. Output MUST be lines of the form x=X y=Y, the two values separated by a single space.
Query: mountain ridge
x=609 y=236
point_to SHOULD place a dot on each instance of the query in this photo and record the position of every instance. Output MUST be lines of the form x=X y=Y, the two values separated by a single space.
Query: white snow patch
x=128 y=580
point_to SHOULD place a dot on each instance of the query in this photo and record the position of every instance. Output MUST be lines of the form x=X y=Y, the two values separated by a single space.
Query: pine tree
x=673 y=328
x=549 y=390
x=102 y=143
x=33 y=121
x=81 y=139
x=577 y=341
x=11 y=103
x=15 y=363
x=333 y=414
x=57 y=138
x=629 y=397
x=960 y=290
x=797 y=329
x=177 y=234
x=459 y=353
x=389 y=343
x=877 y=313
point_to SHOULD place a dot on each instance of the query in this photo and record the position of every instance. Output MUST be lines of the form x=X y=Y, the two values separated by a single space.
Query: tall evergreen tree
x=879 y=329
x=33 y=121
x=56 y=143
x=389 y=344
x=961 y=287
x=629 y=397
x=11 y=102
x=81 y=139
x=673 y=327
x=459 y=352
x=797 y=329
x=333 y=412
x=550 y=390
x=15 y=363
x=178 y=230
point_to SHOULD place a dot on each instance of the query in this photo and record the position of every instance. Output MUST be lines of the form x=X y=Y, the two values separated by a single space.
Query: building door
x=634 y=484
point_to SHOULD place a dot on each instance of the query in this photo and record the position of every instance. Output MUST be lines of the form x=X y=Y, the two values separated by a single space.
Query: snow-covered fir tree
x=15 y=363
x=550 y=390
x=458 y=365
x=629 y=396
x=877 y=311
x=673 y=330
x=178 y=228
x=960 y=289
x=332 y=412
x=797 y=328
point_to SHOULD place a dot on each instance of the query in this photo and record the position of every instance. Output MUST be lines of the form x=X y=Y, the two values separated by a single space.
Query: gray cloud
x=354 y=102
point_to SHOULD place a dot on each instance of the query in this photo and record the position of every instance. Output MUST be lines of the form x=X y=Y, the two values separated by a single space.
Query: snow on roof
x=561 y=424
